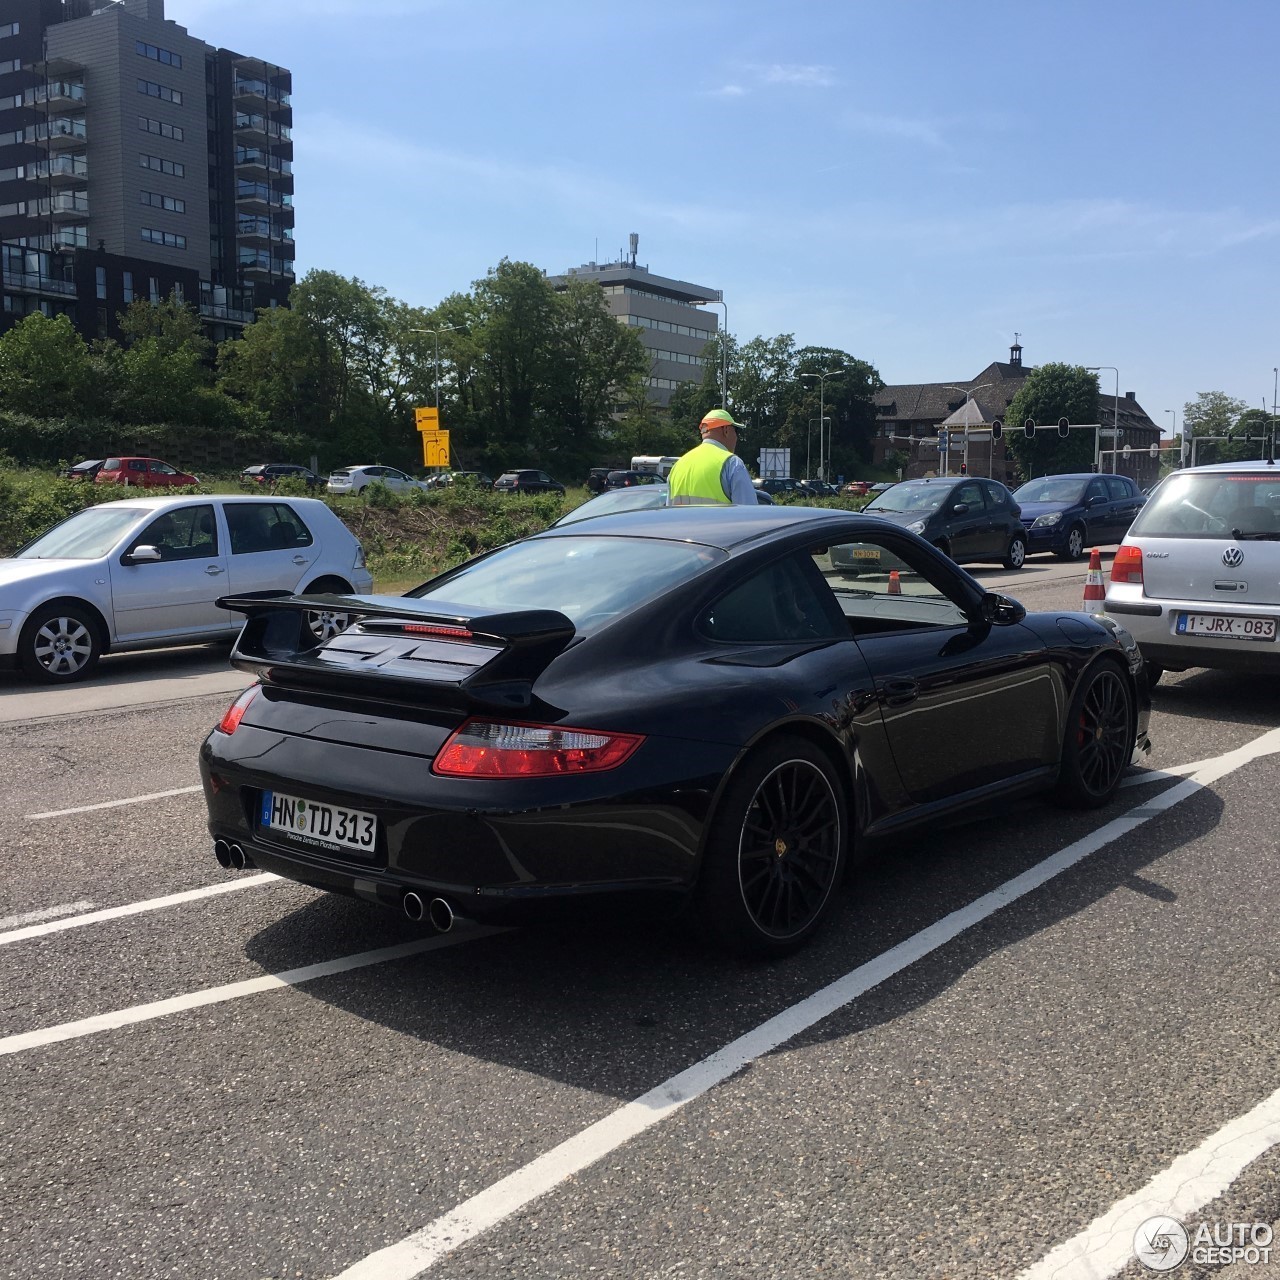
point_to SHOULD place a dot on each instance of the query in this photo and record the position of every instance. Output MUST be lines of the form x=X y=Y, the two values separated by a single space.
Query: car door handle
x=213 y=570
x=897 y=693
x=299 y=559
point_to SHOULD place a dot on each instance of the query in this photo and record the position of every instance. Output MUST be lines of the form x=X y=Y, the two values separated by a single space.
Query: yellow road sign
x=435 y=448
x=426 y=419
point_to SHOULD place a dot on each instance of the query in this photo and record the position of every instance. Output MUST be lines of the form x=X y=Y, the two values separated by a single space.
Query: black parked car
x=629 y=479
x=774 y=485
x=526 y=482
x=671 y=704
x=598 y=479
x=1067 y=513
x=966 y=517
x=269 y=473
x=83 y=470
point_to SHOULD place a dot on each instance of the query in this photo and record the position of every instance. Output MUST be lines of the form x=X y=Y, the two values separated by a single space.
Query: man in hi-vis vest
x=712 y=474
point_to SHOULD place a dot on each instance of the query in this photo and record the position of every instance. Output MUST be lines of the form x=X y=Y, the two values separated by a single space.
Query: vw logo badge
x=1233 y=557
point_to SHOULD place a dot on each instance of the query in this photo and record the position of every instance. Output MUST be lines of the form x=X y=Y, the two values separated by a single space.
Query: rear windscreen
x=1212 y=505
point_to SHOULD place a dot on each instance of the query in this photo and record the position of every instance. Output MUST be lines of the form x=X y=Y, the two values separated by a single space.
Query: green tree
x=45 y=367
x=1050 y=392
x=1214 y=413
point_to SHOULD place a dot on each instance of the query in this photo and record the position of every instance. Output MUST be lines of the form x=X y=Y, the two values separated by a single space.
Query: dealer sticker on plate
x=323 y=826
x=1214 y=624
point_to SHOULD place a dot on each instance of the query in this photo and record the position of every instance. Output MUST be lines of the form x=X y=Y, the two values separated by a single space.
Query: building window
x=178 y=294
x=175 y=168
x=128 y=286
x=13 y=210
x=173 y=131
x=100 y=282
x=13 y=65
x=158 y=55
x=162 y=91
x=158 y=201
x=8 y=29
x=166 y=238
x=155 y=288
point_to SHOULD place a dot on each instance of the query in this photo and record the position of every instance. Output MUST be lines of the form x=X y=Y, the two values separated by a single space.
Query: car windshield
x=909 y=497
x=87 y=535
x=1213 y=505
x=588 y=579
x=1050 y=489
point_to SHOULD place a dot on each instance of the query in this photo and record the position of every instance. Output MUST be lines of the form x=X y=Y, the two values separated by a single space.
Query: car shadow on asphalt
x=1223 y=695
x=616 y=1003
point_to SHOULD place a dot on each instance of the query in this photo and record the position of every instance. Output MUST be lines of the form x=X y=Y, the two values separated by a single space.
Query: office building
x=136 y=160
x=668 y=314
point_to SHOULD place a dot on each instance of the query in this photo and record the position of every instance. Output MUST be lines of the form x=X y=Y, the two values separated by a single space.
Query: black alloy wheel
x=1075 y=543
x=776 y=851
x=59 y=644
x=1098 y=743
x=1016 y=556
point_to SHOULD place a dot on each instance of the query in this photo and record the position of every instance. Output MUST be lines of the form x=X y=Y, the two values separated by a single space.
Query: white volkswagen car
x=1197 y=577
x=147 y=572
x=356 y=479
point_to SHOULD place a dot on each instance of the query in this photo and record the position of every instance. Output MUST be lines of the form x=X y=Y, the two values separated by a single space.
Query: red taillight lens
x=427 y=629
x=492 y=749
x=230 y=722
x=1127 y=566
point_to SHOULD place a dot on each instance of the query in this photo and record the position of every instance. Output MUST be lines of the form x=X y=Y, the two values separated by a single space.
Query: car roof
x=1211 y=467
x=187 y=499
x=721 y=525
x=1069 y=475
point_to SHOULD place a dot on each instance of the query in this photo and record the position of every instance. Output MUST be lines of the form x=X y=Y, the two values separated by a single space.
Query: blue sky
x=913 y=181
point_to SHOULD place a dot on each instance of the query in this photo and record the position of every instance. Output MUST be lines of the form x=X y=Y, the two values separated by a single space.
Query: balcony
x=57 y=95
x=66 y=206
x=63 y=134
x=30 y=282
x=61 y=171
x=254 y=162
x=256 y=231
x=259 y=95
x=219 y=311
x=69 y=238
x=256 y=130
x=259 y=197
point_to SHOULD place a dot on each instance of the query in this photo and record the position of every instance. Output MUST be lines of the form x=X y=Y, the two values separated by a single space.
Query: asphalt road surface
x=1019 y=1039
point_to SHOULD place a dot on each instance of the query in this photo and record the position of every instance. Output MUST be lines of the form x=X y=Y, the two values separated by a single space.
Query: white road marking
x=1105 y=1247
x=111 y=804
x=47 y=913
x=232 y=991
x=133 y=908
x=416 y=1253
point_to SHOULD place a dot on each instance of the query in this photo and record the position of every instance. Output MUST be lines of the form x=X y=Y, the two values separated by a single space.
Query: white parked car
x=1197 y=577
x=147 y=572
x=356 y=479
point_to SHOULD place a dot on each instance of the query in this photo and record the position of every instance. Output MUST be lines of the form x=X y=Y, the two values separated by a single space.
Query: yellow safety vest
x=695 y=479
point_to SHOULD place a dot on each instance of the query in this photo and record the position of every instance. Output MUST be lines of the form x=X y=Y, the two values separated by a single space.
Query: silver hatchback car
x=1197 y=577
x=148 y=572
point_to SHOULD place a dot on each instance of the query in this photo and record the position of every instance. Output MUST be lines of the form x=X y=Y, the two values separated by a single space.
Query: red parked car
x=146 y=473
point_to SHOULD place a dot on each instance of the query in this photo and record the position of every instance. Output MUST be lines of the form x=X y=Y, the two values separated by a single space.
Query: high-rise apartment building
x=136 y=160
x=668 y=313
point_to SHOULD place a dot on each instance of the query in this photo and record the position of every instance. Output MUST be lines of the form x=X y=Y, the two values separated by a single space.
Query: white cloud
x=791 y=73
x=903 y=127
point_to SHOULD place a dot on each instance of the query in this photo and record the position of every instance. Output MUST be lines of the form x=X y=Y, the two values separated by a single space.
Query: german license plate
x=1214 y=624
x=322 y=826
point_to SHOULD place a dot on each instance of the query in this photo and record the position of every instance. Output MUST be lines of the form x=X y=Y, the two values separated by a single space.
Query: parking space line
x=1105 y=1247
x=111 y=804
x=416 y=1253
x=46 y=913
x=232 y=991
x=136 y=908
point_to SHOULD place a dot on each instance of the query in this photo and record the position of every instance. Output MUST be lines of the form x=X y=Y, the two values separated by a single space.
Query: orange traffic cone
x=895 y=583
x=1094 y=592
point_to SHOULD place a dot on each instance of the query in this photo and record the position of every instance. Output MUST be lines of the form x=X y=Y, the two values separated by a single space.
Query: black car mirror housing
x=1000 y=611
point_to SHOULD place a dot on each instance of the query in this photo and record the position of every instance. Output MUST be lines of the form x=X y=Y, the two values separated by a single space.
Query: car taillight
x=230 y=721
x=493 y=749
x=1127 y=566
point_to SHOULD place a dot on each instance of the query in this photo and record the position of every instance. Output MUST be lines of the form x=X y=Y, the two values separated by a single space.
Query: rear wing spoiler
x=399 y=649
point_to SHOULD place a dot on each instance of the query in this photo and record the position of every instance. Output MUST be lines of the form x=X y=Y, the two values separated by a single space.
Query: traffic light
x=1064 y=428
x=997 y=429
x=964 y=468
x=1029 y=428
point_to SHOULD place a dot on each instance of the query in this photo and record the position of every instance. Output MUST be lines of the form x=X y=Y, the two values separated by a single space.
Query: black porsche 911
x=689 y=703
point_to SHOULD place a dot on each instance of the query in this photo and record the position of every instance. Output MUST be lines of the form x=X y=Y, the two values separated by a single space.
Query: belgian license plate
x=1214 y=624
x=322 y=826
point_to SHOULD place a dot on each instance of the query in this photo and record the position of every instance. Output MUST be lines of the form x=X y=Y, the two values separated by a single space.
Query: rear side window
x=782 y=604
x=1118 y=487
x=265 y=526
x=137 y=464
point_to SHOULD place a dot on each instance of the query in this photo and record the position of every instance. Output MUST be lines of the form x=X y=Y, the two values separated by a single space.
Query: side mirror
x=143 y=554
x=960 y=509
x=1000 y=611
x=1093 y=502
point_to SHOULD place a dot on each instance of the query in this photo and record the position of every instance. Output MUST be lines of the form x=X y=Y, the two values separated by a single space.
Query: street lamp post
x=1173 y=431
x=444 y=328
x=724 y=351
x=822 y=405
x=1115 y=426
x=808 y=450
